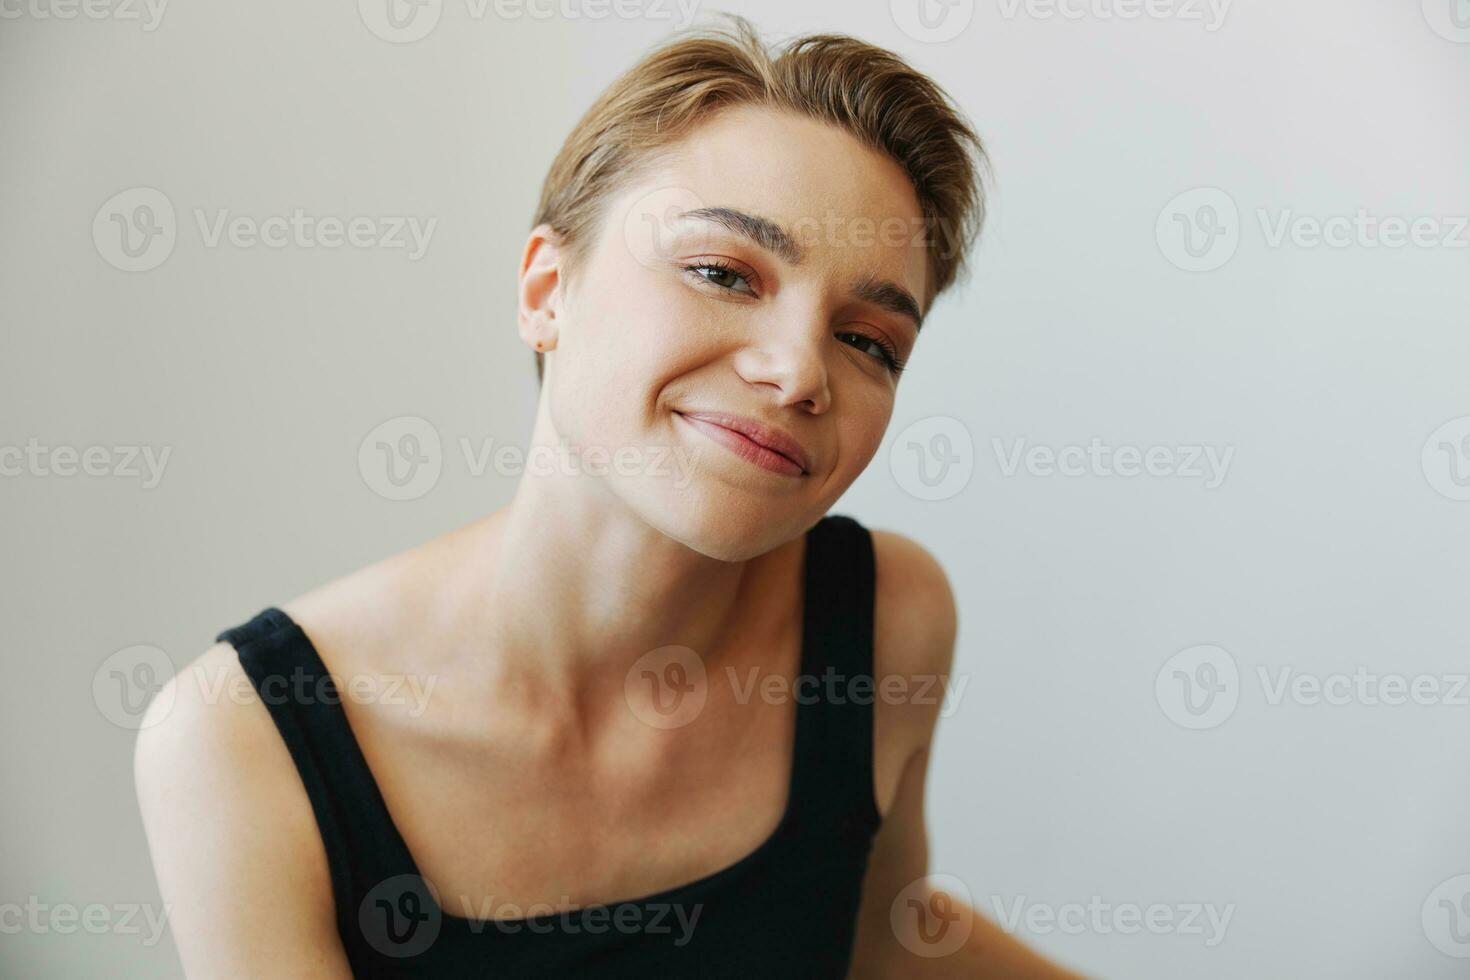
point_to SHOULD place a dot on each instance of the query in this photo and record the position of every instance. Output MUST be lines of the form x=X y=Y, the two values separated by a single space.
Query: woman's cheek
x=867 y=435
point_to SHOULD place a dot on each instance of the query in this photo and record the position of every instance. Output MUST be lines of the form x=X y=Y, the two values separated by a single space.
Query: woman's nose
x=794 y=365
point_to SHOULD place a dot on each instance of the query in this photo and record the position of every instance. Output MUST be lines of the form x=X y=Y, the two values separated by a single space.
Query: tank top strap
x=834 y=752
x=363 y=846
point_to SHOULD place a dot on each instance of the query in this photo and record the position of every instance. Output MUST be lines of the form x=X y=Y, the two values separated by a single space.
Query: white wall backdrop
x=1213 y=720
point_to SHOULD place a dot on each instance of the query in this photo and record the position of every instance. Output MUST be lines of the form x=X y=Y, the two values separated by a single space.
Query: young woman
x=650 y=740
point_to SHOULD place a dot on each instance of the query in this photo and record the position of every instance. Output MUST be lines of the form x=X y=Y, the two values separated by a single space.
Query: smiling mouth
x=717 y=428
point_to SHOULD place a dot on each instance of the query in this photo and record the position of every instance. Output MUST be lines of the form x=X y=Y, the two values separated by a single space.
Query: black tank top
x=786 y=909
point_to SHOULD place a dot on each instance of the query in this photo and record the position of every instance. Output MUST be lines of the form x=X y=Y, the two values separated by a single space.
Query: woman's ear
x=538 y=292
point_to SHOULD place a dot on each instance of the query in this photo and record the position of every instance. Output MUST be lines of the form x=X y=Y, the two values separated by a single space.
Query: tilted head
x=751 y=236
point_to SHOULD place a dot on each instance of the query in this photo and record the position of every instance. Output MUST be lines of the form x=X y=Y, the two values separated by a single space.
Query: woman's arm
x=914 y=632
x=240 y=863
x=900 y=858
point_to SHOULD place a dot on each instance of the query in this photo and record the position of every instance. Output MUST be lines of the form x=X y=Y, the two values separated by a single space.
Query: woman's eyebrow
x=891 y=297
x=762 y=231
x=769 y=235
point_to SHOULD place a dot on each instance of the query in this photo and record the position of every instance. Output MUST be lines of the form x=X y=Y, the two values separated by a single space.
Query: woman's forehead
x=790 y=165
x=804 y=191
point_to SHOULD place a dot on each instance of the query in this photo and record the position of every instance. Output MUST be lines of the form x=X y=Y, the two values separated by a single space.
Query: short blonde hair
x=865 y=90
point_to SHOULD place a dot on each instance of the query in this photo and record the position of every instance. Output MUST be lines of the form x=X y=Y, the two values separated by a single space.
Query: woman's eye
x=720 y=276
x=877 y=348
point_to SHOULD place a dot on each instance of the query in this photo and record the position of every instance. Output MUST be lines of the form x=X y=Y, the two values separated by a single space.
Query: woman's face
x=769 y=270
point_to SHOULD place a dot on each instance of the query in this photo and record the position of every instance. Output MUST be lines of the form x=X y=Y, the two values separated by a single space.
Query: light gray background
x=1329 y=545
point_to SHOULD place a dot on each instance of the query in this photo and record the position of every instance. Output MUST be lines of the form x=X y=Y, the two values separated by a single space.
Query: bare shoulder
x=915 y=618
x=206 y=729
x=234 y=839
x=914 y=627
x=240 y=863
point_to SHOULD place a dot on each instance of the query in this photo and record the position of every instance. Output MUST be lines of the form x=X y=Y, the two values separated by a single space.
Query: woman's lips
x=742 y=445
